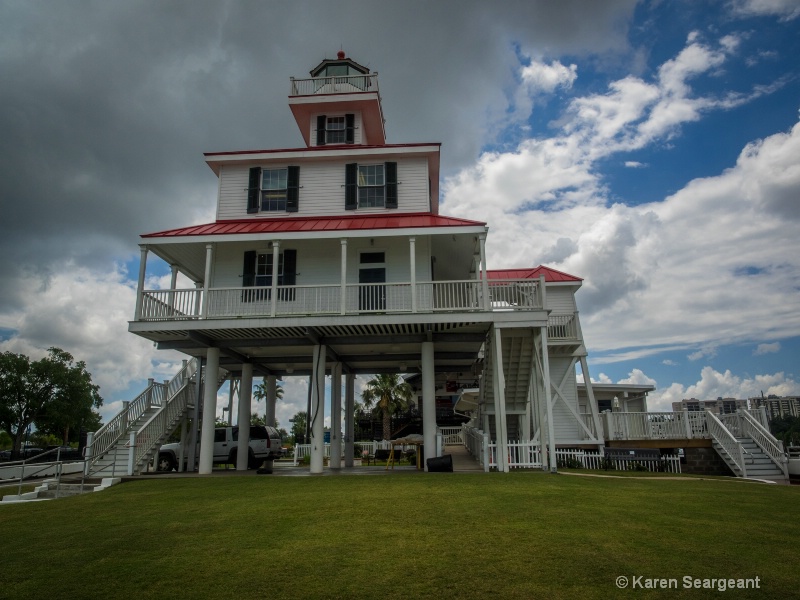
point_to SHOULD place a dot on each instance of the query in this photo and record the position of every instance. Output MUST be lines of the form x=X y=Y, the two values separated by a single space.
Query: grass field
x=404 y=535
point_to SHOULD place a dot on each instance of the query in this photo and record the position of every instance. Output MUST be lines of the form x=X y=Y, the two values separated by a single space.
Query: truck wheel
x=165 y=463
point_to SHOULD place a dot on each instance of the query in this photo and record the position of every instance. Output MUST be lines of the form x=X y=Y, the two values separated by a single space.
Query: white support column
x=231 y=392
x=412 y=250
x=276 y=256
x=336 y=417
x=184 y=441
x=317 y=415
x=484 y=281
x=349 y=416
x=499 y=385
x=209 y=412
x=593 y=408
x=198 y=297
x=551 y=436
x=428 y=401
x=207 y=280
x=343 y=292
x=243 y=418
x=140 y=285
x=173 y=282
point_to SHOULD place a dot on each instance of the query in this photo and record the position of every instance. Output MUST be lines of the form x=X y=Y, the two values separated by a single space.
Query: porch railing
x=562 y=327
x=363 y=298
x=340 y=84
x=654 y=425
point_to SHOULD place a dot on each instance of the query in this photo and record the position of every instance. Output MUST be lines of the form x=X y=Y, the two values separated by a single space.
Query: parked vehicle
x=265 y=443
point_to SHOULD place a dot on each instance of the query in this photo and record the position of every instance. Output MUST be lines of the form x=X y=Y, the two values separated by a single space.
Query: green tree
x=299 y=426
x=786 y=429
x=386 y=393
x=54 y=393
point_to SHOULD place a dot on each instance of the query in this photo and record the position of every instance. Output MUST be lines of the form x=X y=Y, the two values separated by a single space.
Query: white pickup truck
x=265 y=443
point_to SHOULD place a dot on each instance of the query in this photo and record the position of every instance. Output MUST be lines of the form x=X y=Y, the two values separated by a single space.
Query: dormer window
x=335 y=129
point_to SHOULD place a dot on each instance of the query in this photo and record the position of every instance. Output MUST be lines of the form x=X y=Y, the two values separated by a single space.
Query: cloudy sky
x=651 y=148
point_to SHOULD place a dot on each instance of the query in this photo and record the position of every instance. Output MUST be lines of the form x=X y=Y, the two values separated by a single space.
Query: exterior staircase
x=758 y=464
x=127 y=444
x=747 y=447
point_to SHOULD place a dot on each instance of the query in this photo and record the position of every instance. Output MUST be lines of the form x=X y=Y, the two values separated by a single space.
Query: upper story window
x=370 y=186
x=273 y=190
x=335 y=129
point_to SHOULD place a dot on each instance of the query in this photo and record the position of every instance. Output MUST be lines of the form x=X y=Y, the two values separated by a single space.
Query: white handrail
x=771 y=446
x=155 y=395
x=732 y=446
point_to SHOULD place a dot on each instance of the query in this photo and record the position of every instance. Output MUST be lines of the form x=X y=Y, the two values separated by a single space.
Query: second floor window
x=273 y=189
x=371 y=184
x=264 y=269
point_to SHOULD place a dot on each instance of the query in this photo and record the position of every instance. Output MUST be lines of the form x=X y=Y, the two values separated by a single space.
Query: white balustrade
x=339 y=84
x=389 y=297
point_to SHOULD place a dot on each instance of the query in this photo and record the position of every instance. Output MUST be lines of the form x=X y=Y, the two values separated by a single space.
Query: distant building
x=720 y=406
x=777 y=406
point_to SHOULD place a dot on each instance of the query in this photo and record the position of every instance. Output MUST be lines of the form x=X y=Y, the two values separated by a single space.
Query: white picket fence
x=302 y=450
x=528 y=455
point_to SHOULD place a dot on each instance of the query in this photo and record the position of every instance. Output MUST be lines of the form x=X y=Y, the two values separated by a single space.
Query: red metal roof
x=550 y=275
x=338 y=223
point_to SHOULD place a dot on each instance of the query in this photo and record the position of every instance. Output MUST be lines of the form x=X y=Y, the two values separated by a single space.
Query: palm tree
x=386 y=393
x=260 y=391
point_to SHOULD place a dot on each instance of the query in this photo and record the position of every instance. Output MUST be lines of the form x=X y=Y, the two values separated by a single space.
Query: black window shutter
x=249 y=275
x=289 y=275
x=293 y=189
x=321 y=121
x=349 y=128
x=289 y=267
x=391 y=184
x=350 y=186
x=253 y=189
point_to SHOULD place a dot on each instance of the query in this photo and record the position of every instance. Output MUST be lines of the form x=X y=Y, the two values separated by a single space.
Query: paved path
x=462 y=460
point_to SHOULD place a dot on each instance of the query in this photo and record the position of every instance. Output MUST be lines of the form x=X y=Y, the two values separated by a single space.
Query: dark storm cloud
x=108 y=106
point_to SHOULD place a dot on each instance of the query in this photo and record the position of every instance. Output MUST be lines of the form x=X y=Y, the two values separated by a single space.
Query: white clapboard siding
x=322 y=188
x=319 y=261
x=561 y=300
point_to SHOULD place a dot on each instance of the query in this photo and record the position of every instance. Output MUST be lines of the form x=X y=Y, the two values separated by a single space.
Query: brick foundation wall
x=704 y=461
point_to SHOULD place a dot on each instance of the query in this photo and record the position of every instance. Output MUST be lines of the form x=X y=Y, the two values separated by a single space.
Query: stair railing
x=159 y=425
x=152 y=434
x=156 y=394
x=771 y=446
x=108 y=435
x=731 y=446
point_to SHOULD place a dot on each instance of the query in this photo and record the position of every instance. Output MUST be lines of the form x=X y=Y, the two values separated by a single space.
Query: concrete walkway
x=462 y=460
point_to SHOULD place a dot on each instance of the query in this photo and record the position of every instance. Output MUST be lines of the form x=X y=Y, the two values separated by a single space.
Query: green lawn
x=403 y=535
